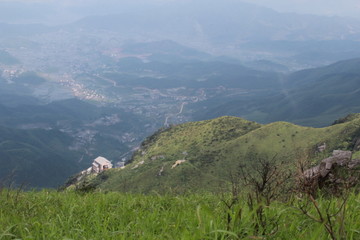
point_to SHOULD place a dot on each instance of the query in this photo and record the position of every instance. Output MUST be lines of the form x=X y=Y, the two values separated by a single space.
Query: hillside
x=44 y=144
x=213 y=150
x=311 y=97
x=36 y=158
x=317 y=95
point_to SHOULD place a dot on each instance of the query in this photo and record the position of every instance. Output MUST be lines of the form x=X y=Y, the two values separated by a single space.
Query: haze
x=60 y=12
x=349 y=8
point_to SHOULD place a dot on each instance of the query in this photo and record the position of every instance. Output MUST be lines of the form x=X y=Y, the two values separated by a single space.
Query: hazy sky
x=70 y=10
x=323 y=7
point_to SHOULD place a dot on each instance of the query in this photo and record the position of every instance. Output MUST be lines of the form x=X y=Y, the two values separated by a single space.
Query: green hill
x=215 y=149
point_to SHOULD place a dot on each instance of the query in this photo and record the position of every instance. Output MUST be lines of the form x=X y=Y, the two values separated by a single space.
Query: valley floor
x=70 y=215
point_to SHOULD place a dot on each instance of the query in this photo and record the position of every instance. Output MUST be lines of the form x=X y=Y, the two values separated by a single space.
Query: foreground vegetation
x=71 y=215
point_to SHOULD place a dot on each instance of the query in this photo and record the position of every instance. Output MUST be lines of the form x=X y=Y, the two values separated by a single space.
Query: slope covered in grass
x=208 y=152
x=54 y=215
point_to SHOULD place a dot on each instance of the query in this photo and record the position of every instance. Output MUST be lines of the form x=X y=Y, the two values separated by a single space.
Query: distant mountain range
x=202 y=156
x=229 y=28
x=312 y=97
x=237 y=29
x=317 y=95
x=223 y=23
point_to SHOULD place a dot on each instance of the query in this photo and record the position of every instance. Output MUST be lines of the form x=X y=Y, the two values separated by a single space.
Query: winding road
x=173 y=115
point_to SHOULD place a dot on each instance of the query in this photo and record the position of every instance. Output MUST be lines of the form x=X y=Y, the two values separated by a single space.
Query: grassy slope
x=215 y=148
x=52 y=215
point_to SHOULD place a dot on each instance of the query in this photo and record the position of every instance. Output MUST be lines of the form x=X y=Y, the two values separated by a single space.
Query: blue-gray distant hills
x=228 y=27
x=312 y=97
x=222 y=22
x=41 y=145
x=317 y=95
x=236 y=29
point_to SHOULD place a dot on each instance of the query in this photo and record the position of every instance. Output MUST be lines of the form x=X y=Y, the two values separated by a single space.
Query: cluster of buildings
x=11 y=72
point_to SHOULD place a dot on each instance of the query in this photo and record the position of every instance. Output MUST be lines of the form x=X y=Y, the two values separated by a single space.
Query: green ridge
x=215 y=148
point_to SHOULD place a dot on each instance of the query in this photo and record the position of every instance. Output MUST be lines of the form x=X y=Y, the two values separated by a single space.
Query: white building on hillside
x=100 y=164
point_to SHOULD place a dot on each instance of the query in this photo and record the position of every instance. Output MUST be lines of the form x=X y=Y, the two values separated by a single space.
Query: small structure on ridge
x=100 y=164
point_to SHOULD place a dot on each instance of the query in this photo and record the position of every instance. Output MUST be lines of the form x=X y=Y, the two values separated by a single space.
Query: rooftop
x=102 y=161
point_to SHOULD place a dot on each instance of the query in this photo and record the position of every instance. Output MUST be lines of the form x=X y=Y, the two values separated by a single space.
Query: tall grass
x=69 y=215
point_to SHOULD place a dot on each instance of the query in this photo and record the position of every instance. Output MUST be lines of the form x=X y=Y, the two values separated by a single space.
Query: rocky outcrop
x=321 y=148
x=177 y=163
x=334 y=172
x=354 y=164
x=338 y=158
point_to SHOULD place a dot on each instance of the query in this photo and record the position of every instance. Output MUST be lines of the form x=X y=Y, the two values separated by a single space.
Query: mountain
x=312 y=76
x=190 y=73
x=233 y=28
x=314 y=96
x=36 y=157
x=163 y=50
x=310 y=97
x=44 y=144
x=202 y=156
x=235 y=21
x=306 y=53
